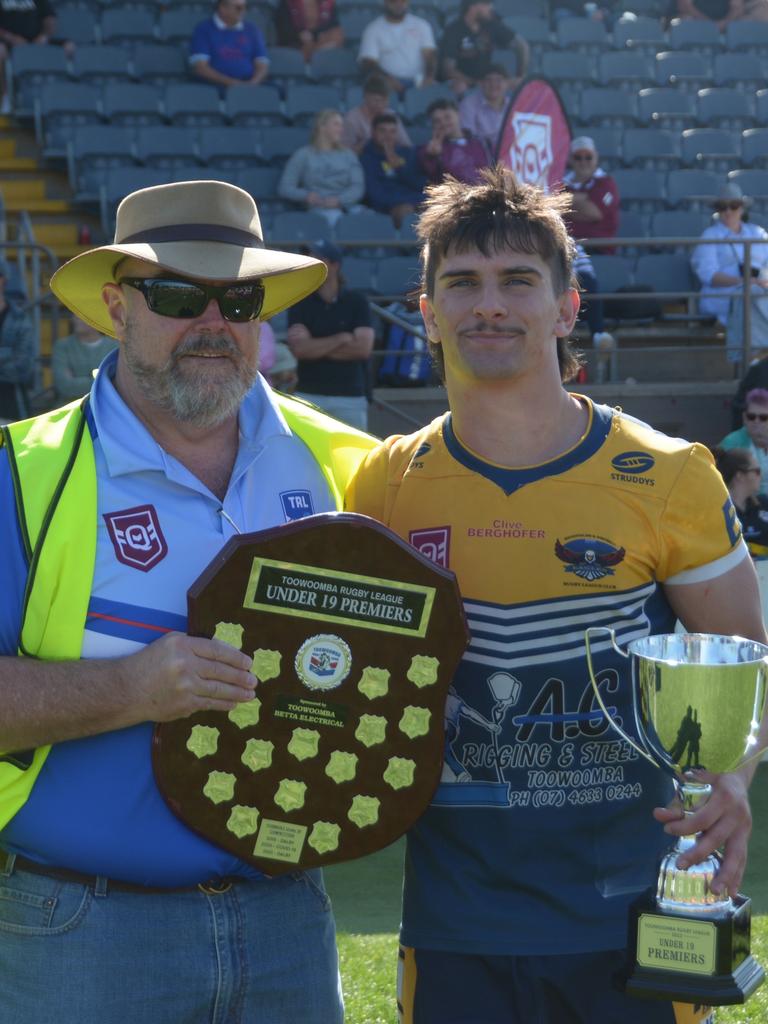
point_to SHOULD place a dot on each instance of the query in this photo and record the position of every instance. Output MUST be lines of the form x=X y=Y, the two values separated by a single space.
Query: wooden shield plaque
x=355 y=637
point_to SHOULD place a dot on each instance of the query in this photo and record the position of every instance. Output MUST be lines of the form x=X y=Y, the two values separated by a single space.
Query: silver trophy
x=697 y=702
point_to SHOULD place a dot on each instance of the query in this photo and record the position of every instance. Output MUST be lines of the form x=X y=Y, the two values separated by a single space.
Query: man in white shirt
x=399 y=45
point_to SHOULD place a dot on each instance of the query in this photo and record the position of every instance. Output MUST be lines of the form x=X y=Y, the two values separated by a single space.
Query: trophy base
x=689 y=957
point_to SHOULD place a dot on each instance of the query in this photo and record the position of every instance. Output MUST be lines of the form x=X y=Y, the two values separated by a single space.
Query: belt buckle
x=215 y=887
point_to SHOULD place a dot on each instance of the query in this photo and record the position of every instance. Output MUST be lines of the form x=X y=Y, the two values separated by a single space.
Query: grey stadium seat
x=58 y=108
x=119 y=182
x=695 y=34
x=133 y=103
x=280 y=142
x=228 y=147
x=608 y=107
x=745 y=34
x=612 y=272
x=667 y=108
x=246 y=106
x=102 y=64
x=397 y=275
x=654 y=148
x=754 y=146
x=724 y=106
x=752 y=182
x=640 y=190
x=125 y=27
x=683 y=69
x=665 y=272
x=303 y=102
x=299 y=226
x=641 y=33
x=93 y=149
x=32 y=67
x=581 y=35
x=190 y=104
x=693 y=188
x=715 y=149
x=155 y=63
x=678 y=224
x=626 y=69
x=166 y=145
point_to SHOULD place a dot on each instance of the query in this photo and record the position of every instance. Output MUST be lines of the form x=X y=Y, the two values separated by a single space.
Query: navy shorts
x=579 y=988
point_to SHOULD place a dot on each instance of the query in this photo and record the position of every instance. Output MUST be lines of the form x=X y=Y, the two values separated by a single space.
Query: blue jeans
x=260 y=953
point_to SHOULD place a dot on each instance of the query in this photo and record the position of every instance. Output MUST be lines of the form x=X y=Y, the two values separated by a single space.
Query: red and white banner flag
x=535 y=137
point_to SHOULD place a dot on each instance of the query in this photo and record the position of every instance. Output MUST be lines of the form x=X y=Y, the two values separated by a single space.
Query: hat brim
x=288 y=277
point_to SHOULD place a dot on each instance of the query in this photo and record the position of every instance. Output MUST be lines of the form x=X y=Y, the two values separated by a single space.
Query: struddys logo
x=136 y=536
x=434 y=542
x=631 y=467
x=589 y=558
x=418 y=455
x=323 y=662
x=531 y=154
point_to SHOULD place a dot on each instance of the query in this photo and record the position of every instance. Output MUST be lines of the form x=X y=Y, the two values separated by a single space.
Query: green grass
x=366 y=901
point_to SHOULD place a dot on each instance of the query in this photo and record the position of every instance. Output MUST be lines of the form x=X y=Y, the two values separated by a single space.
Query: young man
x=225 y=49
x=451 y=150
x=358 y=122
x=110 y=906
x=482 y=110
x=394 y=181
x=467 y=45
x=399 y=45
x=519 y=875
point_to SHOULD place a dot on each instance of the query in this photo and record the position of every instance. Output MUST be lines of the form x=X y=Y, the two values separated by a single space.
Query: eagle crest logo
x=589 y=559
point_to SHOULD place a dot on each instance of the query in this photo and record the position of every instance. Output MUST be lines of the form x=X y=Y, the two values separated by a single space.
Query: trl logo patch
x=588 y=558
x=435 y=543
x=136 y=536
x=296 y=504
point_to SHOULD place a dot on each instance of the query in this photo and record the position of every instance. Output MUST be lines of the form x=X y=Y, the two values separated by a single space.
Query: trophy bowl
x=697 y=702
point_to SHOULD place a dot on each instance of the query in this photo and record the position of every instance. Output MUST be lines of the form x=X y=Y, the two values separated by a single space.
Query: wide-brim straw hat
x=202 y=229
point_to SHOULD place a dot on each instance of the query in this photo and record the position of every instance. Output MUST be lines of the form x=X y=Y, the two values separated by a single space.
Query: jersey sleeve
x=700 y=531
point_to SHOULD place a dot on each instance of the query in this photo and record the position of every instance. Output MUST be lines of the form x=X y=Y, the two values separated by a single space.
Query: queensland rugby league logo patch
x=136 y=536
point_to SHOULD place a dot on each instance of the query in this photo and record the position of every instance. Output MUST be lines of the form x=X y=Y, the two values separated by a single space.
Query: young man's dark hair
x=440 y=104
x=376 y=85
x=499 y=212
x=383 y=119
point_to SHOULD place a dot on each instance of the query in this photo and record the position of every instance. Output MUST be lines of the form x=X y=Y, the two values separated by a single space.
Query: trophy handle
x=612 y=635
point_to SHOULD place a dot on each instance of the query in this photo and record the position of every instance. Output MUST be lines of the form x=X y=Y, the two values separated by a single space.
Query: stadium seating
x=683 y=69
x=29 y=69
x=641 y=33
x=92 y=149
x=716 y=148
x=653 y=148
x=228 y=147
x=58 y=108
x=190 y=103
x=133 y=103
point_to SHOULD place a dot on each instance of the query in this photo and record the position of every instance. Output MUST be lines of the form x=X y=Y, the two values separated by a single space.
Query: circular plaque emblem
x=323 y=662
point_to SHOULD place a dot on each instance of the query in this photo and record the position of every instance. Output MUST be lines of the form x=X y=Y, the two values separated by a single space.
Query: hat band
x=195 y=233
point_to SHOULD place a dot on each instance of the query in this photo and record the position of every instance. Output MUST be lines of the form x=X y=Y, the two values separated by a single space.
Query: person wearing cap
x=468 y=42
x=720 y=271
x=482 y=109
x=331 y=336
x=16 y=352
x=595 y=194
x=112 y=908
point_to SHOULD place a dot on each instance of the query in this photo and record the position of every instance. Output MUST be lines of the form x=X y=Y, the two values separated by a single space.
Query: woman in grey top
x=324 y=176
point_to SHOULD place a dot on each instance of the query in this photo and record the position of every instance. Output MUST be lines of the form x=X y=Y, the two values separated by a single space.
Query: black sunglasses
x=752 y=416
x=733 y=205
x=184 y=300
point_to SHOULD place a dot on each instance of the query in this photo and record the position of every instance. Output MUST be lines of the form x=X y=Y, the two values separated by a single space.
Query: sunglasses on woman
x=733 y=205
x=752 y=416
x=184 y=300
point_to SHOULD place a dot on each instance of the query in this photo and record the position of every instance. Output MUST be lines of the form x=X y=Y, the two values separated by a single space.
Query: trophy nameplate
x=355 y=637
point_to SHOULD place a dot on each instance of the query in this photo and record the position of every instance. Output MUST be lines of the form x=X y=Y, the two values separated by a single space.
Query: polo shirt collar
x=128 y=447
x=223 y=25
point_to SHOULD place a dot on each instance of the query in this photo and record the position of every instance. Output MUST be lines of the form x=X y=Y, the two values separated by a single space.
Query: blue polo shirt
x=95 y=807
x=231 y=51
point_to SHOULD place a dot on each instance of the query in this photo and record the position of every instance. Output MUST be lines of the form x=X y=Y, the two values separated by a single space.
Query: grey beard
x=193 y=398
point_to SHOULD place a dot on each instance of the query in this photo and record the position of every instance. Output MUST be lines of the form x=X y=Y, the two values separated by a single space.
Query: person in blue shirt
x=394 y=181
x=227 y=50
x=111 y=908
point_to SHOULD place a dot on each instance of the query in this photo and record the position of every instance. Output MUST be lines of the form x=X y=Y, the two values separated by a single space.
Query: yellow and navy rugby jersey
x=541 y=831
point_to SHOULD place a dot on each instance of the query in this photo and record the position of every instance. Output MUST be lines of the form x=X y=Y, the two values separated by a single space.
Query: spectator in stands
x=225 y=49
x=719 y=269
x=578 y=9
x=16 y=353
x=22 y=23
x=753 y=434
x=394 y=181
x=482 y=109
x=358 y=120
x=330 y=335
x=451 y=150
x=399 y=45
x=308 y=25
x=76 y=357
x=324 y=176
x=720 y=11
x=755 y=377
x=741 y=472
x=468 y=43
x=595 y=209
x=591 y=314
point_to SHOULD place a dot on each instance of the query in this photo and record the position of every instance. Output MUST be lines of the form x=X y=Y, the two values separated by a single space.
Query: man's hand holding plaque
x=355 y=637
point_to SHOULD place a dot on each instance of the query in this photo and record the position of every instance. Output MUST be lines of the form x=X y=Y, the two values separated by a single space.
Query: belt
x=10 y=862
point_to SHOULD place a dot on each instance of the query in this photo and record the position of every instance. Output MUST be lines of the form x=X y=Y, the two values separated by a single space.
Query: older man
x=112 y=907
x=594 y=194
x=225 y=49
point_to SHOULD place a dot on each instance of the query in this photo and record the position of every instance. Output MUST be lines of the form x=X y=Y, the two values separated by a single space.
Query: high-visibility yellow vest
x=54 y=479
